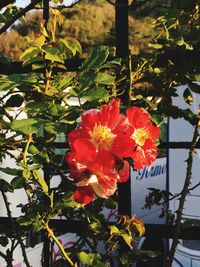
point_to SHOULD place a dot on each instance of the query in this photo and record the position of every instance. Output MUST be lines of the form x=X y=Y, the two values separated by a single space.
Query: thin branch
x=134 y=5
x=182 y=199
x=20 y=14
x=4 y=3
x=179 y=194
x=19 y=239
x=3 y=256
x=59 y=244
x=60 y=7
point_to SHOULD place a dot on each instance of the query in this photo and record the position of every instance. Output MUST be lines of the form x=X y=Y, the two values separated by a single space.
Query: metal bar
x=164 y=145
x=79 y=227
x=16 y=67
x=122 y=51
x=178 y=145
x=121 y=28
x=46 y=11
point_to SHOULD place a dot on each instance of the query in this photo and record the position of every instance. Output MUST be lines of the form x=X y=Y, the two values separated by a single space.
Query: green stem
x=29 y=141
x=25 y=152
x=51 y=233
x=48 y=79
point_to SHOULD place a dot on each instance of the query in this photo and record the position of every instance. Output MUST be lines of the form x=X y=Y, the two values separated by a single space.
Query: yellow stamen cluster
x=140 y=136
x=102 y=137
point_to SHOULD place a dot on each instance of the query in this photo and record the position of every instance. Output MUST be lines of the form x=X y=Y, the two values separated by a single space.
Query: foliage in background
x=78 y=23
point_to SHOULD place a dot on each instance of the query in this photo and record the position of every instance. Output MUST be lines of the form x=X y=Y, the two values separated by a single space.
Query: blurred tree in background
x=91 y=22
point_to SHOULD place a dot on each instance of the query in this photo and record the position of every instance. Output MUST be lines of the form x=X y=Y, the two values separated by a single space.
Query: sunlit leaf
x=26 y=126
x=11 y=171
x=95 y=93
x=104 y=78
x=30 y=52
x=17 y=182
x=85 y=258
x=24 y=220
x=5 y=186
x=114 y=230
x=128 y=239
x=96 y=58
x=188 y=96
x=38 y=177
x=155 y=46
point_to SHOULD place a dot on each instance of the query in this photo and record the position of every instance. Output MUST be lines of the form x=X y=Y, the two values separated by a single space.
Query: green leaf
x=14 y=101
x=128 y=239
x=52 y=54
x=24 y=220
x=146 y=254
x=55 y=127
x=30 y=52
x=85 y=258
x=11 y=171
x=38 y=177
x=33 y=149
x=39 y=42
x=195 y=87
x=100 y=264
x=64 y=82
x=72 y=44
x=157 y=70
x=56 y=109
x=188 y=96
x=17 y=182
x=34 y=107
x=26 y=173
x=180 y=42
x=37 y=226
x=5 y=186
x=112 y=63
x=77 y=45
x=37 y=66
x=7 y=85
x=95 y=93
x=51 y=57
x=15 y=78
x=96 y=226
x=155 y=46
x=96 y=58
x=33 y=60
x=26 y=126
x=114 y=230
x=104 y=78
x=188 y=46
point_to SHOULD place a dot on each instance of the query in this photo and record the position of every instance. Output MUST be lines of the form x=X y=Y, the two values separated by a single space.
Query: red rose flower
x=102 y=175
x=144 y=134
x=104 y=129
x=98 y=148
x=84 y=194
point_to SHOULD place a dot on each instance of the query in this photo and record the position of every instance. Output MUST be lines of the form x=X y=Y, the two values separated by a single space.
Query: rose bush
x=103 y=143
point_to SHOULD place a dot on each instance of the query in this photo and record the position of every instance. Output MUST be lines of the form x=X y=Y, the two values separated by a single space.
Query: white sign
x=152 y=176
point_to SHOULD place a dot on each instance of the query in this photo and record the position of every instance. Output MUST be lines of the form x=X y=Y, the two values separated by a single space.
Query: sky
x=23 y=3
